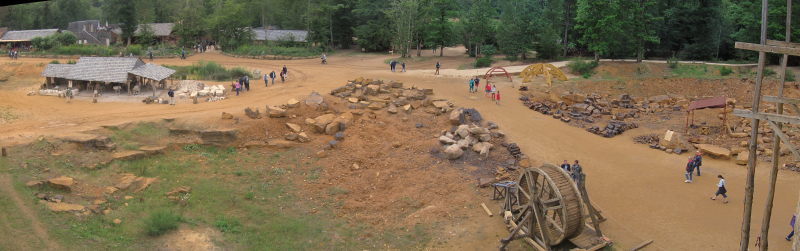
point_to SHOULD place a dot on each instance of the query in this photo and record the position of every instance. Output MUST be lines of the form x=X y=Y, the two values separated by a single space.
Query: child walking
x=497 y=98
x=471 y=84
x=721 y=190
x=689 y=170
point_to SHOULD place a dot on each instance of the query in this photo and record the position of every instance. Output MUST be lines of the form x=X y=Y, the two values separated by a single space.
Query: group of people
x=490 y=90
x=393 y=65
x=694 y=163
x=575 y=170
x=13 y=54
x=243 y=83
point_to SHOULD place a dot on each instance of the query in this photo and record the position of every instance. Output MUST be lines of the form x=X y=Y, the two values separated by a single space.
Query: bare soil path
x=640 y=190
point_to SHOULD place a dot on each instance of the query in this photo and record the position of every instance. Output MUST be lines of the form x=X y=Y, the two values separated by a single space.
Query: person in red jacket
x=497 y=97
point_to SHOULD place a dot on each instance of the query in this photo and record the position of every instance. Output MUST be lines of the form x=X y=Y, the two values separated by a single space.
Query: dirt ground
x=639 y=190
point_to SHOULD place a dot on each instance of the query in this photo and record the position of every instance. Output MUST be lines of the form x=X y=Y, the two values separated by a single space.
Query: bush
x=725 y=71
x=483 y=62
x=262 y=50
x=672 y=62
x=209 y=71
x=488 y=50
x=584 y=68
x=71 y=61
x=55 y=62
x=768 y=72
x=789 y=75
x=161 y=222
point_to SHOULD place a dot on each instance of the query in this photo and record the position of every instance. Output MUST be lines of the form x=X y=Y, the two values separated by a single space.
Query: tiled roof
x=104 y=69
x=152 y=71
x=159 y=29
x=26 y=35
x=280 y=35
x=57 y=70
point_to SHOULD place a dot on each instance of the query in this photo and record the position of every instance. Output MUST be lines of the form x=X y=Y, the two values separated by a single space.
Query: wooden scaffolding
x=775 y=122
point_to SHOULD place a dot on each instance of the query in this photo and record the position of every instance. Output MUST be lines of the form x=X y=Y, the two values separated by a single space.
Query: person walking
x=791 y=224
x=722 y=191
x=183 y=53
x=577 y=172
x=438 y=65
x=689 y=170
x=171 y=95
x=150 y=54
x=698 y=161
x=272 y=76
x=494 y=92
x=477 y=83
x=283 y=77
x=238 y=87
x=566 y=167
x=285 y=70
x=68 y=94
x=471 y=84
x=487 y=89
x=247 y=83
x=266 y=80
x=404 y=66
x=393 y=65
x=497 y=98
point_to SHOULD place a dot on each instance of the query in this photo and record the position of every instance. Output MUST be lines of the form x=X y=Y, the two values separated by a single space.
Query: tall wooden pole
x=751 y=163
x=776 y=145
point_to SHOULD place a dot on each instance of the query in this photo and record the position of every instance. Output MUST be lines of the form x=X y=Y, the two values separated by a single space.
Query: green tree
x=440 y=29
x=230 y=32
x=600 y=26
x=403 y=14
x=145 y=35
x=372 y=30
x=514 y=31
x=478 y=25
x=190 y=25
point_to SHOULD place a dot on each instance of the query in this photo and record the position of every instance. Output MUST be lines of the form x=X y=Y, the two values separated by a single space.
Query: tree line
x=685 y=29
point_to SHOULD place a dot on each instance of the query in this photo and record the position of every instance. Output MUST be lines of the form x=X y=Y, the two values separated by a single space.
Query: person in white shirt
x=721 y=190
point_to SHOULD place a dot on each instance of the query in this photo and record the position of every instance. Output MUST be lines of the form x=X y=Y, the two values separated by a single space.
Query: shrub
x=488 y=50
x=55 y=62
x=160 y=222
x=483 y=62
x=71 y=62
x=725 y=71
x=227 y=225
x=672 y=62
x=768 y=72
x=584 y=68
x=789 y=75
x=209 y=71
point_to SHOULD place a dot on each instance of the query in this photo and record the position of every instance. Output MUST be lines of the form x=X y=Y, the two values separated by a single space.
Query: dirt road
x=640 y=190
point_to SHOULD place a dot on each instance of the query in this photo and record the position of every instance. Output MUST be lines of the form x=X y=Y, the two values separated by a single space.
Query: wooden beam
x=784 y=138
x=767 y=48
x=781 y=100
x=640 y=246
x=768 y=116
x=782 y=43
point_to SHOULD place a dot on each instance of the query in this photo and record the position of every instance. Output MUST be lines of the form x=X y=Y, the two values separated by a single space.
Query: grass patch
x=725 y=71
x=263 y=50
x=227 y=224
x=161 y=222
x=205 y=70
x=141 y=133
x=7 y=115
x=585 y=68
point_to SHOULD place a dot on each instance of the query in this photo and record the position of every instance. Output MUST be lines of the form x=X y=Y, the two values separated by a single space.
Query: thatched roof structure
x=159 y=29
x=152 y=71
x=262 y=34
x=57 y=70
x=26 y=35
x=107 y=69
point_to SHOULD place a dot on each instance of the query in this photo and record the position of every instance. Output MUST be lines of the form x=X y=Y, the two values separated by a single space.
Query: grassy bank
x=263 y=50
x=209 y=71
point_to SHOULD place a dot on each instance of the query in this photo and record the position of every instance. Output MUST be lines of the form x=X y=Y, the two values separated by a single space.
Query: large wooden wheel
x=559 y=201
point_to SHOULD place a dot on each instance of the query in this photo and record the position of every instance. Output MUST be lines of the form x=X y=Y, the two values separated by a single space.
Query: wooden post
x=3 y=152
x=776 y=146
x=751 y=163
x=592 y=212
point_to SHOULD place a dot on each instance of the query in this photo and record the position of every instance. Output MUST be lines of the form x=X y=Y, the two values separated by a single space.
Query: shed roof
x=26 y=35
x=159 y=29
x=716 y=102
x=104 y=69
x=280 y=35
x=152 y=71
x=57 y=70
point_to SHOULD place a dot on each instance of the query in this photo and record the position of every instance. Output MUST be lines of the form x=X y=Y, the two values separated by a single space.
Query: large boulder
x=714 y=151
x=742 y=158
x=218 y=136
x=453 y=152
x=455 y=116
x=276 y=112
x=392 y=109
x=61 y=182
x=90 y=141
x=376 y=105
x=314 y=99
x=446 y=140
x=252 y=114
x=294 y=127
x=322 y=121
x=293 y=103
x=128 y=155
x=441 y=104
x=463 y=131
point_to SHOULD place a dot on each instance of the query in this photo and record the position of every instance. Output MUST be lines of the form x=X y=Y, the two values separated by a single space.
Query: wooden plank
x=767 y=48
x=642 y=245
x=768 y=116
x=782 y=44
x=783 y=100
x=487 y=210
x=785 y=139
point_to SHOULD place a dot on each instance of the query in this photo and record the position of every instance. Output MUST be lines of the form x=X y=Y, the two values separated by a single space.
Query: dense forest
x=685 y=29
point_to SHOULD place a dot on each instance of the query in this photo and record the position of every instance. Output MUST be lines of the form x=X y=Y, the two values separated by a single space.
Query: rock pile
x=647 y=139
x=613 y=128
x=514 y=150
x=376 y=94
x=467 y=135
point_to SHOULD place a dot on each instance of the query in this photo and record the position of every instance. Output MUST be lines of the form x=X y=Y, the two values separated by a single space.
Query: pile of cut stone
x=647 y=139
x=613 y=128
x=468 y=134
